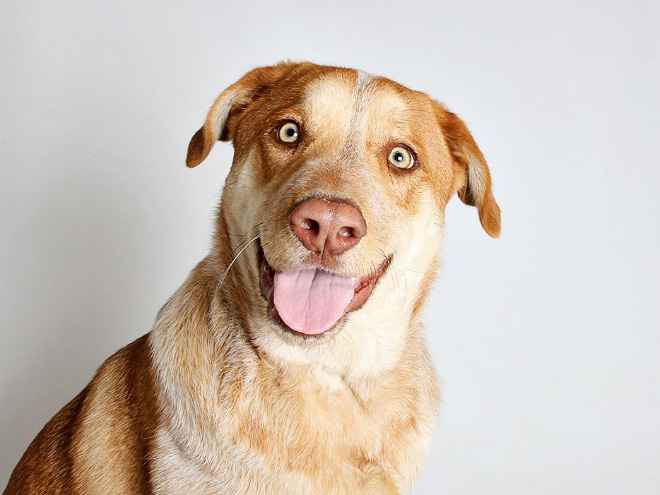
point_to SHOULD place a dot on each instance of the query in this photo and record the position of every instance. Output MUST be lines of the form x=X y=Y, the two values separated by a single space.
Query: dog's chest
x=173 y=474
x=314 y=438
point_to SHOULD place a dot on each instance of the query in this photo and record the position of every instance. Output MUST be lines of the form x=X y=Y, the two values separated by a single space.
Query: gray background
x=546 y=340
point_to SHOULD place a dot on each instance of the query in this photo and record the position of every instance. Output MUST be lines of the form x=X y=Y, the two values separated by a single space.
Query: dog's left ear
x=231 y=102
x=470 y=169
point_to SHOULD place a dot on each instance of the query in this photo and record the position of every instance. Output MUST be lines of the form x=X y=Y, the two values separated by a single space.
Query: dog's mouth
x=312 y=301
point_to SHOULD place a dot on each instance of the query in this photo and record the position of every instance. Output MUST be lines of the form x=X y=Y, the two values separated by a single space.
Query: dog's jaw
x=362 y=289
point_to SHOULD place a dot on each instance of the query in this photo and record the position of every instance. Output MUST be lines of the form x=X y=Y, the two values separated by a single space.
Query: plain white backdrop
x=547 y=340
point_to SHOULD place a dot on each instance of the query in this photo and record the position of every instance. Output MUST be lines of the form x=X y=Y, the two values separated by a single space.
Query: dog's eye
x=288 y=132
x=401 y=157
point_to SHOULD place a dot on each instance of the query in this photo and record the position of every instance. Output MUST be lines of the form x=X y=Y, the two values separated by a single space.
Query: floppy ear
x=231 y=102
x=475 y=187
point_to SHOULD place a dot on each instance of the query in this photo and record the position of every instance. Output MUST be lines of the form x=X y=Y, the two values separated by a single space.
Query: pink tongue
x=311 y=301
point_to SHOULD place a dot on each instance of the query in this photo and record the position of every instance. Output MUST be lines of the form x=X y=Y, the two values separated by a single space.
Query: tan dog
x=292 y=360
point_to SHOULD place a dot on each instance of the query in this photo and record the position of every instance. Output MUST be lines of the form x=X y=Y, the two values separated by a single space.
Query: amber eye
x=401 y=157
x=288 y=132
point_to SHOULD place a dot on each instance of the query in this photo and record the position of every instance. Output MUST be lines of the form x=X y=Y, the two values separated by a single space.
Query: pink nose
x=327 y=226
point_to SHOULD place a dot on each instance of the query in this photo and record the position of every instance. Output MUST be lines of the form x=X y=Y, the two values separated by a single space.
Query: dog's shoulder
x=104 y=426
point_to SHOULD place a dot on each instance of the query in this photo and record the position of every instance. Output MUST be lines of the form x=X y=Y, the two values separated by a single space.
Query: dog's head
x=340 y=180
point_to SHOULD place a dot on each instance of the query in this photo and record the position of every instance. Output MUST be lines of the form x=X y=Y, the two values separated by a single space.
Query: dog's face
x=341 y=180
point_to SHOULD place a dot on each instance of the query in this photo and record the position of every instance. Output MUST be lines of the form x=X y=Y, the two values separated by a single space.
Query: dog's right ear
x=231 y=102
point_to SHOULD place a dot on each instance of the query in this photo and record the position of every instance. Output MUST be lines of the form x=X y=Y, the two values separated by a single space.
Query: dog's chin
x=362 y=288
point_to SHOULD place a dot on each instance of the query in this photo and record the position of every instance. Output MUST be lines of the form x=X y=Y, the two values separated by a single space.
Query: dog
x=292 y=360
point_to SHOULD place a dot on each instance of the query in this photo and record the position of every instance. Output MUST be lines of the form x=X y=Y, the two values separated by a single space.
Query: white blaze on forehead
x=348 y=111
x=337 y=109
x=378 y=115
x=355 y=142
x=360 y=92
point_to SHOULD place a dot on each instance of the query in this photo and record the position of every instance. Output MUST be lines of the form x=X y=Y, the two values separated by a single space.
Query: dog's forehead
x=350 y=101
x=327 y=103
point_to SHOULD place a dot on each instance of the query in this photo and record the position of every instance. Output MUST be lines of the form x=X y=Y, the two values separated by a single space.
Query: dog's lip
x=363 y=288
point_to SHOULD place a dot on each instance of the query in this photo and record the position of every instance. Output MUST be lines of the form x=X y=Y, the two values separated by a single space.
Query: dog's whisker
x=243 y=245
x=215 y=195
x=224 y=275
x=405 y=287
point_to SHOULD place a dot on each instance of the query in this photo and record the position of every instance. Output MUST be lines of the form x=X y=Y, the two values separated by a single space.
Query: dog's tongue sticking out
x=311 y=301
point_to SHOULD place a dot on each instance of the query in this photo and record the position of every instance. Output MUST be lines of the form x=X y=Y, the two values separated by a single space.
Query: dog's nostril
x=346 y=232
x=309 y=224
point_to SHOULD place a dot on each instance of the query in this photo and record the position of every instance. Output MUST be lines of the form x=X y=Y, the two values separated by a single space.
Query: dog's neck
x=222 y=318
x=211 y=366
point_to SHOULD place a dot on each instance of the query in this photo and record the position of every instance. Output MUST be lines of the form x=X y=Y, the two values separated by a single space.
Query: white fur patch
x=220 y=112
